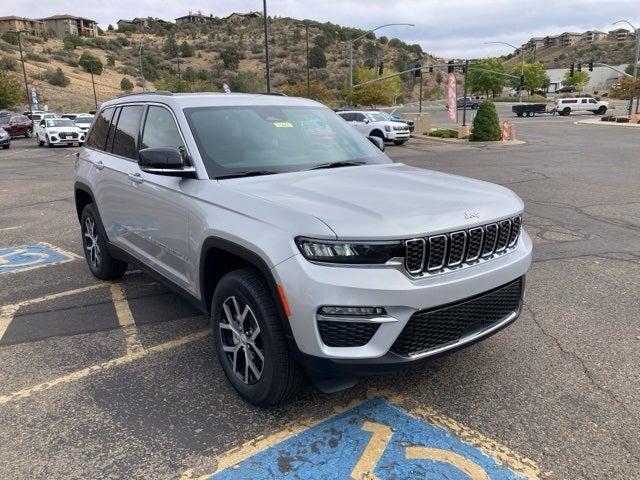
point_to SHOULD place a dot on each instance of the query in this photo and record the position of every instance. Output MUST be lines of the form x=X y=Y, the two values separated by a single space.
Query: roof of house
x=192 y=15
x=14 y=17
x=66 y=16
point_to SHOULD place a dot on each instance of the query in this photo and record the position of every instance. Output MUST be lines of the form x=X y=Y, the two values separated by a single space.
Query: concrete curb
x=610 y=124
x=455 y=141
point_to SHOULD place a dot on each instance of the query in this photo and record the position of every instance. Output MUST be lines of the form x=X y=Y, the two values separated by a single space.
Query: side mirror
x=366 y=120
x=377 y=141
x=164 y=161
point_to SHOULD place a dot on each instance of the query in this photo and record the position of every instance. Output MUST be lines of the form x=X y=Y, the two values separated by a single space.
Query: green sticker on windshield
x=283 y=124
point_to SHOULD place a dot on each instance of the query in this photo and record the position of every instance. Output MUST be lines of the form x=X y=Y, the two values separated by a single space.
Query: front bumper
x=397 y=135
x=55 y=139
x=5 y=141
x=310 y=286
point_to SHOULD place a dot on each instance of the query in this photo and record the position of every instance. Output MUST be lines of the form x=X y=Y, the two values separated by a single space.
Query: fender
x=78 y=185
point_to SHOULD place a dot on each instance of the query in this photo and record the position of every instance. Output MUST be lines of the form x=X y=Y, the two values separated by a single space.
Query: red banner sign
x=452 y=96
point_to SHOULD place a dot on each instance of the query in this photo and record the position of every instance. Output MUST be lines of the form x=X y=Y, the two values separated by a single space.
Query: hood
x=384 y=201
x=63 y=129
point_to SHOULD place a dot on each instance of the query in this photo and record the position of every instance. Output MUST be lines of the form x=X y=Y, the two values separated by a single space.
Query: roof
x=193 y=15
x=66 y=16
x=14 y=17
x=570 y=33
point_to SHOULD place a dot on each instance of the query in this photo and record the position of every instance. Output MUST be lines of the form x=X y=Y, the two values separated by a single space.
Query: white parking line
x=125 y=318
x=101 y=367
x=6 y=229
x=8 y=311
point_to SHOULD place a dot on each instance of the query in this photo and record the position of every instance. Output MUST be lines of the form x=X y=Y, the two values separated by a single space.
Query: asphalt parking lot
x=119 y=380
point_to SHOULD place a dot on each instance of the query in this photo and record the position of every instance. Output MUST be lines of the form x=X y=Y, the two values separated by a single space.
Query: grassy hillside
x=201 y=59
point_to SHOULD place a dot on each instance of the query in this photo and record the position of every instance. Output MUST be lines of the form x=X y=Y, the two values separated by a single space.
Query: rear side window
x=98 y=134
x=347 y=116
x=160 y=129
x=569 y=101
x=126 y=136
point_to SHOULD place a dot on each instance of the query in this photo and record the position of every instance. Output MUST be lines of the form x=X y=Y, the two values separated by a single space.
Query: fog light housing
x=345 y=311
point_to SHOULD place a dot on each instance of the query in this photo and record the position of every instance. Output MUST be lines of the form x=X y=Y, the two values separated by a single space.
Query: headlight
x=336 y=251
x=387 y=128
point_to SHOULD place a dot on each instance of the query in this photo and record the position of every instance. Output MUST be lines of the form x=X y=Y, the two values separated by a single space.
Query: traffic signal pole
x=464 y=102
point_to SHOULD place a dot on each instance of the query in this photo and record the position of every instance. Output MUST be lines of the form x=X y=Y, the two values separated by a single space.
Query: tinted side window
x=358 y=117
x=584 y=100
x=112 y=129
x=98 y=134
x=347 y=116
x=126 y=137
x=592 y=101
x=160 y=129
x=570 y=101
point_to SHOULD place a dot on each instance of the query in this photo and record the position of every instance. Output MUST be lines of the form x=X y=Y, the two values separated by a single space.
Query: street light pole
x=635 y=65
x=522 y=64
x=266 y=45
x=24 y=73
x=351 y=42
x=95 y=97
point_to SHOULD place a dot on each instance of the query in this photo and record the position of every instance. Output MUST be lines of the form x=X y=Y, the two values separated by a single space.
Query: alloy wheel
x=91 y=242
x=242 y=340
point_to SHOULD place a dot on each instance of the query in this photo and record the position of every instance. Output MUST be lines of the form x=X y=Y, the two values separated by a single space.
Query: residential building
x=140 y=24
x=551 y=41
x=17 y=24
x=533 y=44
x=592 y=36
x=62 y=25
x=619 y=34
x=569 y=38
x=197 y=17
x=240 y=16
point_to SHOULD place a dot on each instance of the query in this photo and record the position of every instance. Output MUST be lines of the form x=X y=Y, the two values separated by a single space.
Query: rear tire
x=566 y=111
x=94 y=245
x=263 y=382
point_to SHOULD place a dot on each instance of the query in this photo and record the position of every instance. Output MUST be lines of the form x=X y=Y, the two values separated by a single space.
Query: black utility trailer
x=530 y=109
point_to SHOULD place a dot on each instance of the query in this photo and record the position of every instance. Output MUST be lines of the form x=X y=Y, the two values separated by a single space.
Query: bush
x=10 y=37
x=486 y=125
x=10 y=91
x=8 y=64
x=317 y=58
x=186 y=50
x=444 y=133
x=71 y=42
x=90 y=63
x=36 y=57
x=111 y=61
x=247 y=82
x=126 y=85
x=230 y=58
x=57 y=77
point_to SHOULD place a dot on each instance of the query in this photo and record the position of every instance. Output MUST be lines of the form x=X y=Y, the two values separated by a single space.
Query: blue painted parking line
x=30 y=256
x=374 y=440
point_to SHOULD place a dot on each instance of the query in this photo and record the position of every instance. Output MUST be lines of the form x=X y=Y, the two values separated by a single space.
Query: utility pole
x=24 y=73
x=306 y=28
x=140 y=58
x=464 y=103
x=266 y=44
x=95 y=98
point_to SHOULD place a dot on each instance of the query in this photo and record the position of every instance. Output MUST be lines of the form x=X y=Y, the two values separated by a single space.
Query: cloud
x=448 y=29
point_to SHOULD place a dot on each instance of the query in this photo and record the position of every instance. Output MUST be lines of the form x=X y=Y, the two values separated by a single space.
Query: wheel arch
x=376 y=132
x=83 y=196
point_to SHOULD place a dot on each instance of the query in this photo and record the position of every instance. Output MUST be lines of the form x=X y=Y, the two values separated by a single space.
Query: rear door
x=360 y=122
x=584 y=104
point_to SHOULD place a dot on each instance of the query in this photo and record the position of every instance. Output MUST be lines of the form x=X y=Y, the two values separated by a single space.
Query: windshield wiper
x=253 y=173
x=342 y=163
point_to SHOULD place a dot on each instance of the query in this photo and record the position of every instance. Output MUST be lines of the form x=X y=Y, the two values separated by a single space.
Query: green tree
x=230 y=57
x=10 y=91
x=150 y=67
x=186 y=49
x=535 y=76
x=247 y=82
x=317 y=89
x=170 y=47
x=486 y=125
x=317 y=58
x=172 y=83
x=321 y=41
x=10 y=37
x=579 y=79
x=110 y=28
x=57 y=77
x=381 y=92
x=71 y=42
x=126 y=85
x=486 y=76
x=90 y=63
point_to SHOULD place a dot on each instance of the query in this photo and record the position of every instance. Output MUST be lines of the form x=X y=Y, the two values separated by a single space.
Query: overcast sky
x=444 y=28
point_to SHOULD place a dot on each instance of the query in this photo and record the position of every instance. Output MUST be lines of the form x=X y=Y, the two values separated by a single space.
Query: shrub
x=444 y=133
x=186 y=49
x=126 y=85
x=90 y=63
x=36 y=57
x=10 y=37
x=622 y=120
x=230 y=57
x=71 y=42
x=57 y=77
x=247 y=82
x=317 y=58
x=10 y=91
x=486 y=125
x=111 y=61
x=8 y=64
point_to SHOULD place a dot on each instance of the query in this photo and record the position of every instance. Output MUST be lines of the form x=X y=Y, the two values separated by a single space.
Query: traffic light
x=591 y=65
x=417 y=73
x=579 y=67
x=571 y=69
x=450 y=67
x=381 y=69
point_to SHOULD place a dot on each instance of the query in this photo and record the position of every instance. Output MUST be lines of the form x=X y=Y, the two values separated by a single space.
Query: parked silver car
x=309 y=248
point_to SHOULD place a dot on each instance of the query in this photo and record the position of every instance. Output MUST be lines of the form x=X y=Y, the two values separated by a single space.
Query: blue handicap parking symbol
x=375 y=440
x=25 y=257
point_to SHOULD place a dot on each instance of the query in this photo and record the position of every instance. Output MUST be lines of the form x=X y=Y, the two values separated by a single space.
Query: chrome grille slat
x=434 y=254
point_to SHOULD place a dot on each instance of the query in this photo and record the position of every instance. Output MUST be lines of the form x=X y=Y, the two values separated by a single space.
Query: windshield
x=377 y=117
x=85 y=120
x=278 y=139
x=60 y=122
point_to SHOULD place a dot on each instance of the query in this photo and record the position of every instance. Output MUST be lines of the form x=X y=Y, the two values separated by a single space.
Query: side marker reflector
x=283 y=299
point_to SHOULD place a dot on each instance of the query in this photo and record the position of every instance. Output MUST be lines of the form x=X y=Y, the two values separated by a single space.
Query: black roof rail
x=155 y=92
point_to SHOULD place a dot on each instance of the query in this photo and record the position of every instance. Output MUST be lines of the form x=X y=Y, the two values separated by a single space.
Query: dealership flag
x=451 y=97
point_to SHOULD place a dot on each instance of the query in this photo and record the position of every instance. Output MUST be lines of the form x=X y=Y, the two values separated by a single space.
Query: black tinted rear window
x=126 y=137
x=98 y=135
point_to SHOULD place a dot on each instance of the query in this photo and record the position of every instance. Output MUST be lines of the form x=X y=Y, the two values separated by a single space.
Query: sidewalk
x=597 y=121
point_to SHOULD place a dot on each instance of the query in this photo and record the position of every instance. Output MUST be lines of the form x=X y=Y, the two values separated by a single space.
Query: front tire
x=49 y=144
x=94 y=243
x=28 y=133
x=601 y=111
x=6 y=146
x=250 y=340
x=40 y=142
x=566 y=112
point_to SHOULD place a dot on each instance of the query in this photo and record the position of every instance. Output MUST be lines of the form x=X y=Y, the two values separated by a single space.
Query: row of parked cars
x=49 y=128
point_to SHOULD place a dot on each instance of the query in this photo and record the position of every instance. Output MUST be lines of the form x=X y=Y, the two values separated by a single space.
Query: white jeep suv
x=377 y=124
x=308 y=248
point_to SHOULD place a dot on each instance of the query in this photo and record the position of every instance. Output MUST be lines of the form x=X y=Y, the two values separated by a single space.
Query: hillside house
x=197 y=17
x=62 y=25
x=618 y=35
x=551 y=41
x=18 y=24
x=567 y=39
x=592 y=36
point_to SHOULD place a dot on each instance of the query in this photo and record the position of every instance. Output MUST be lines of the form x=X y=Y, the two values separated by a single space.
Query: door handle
x=135 y=177
x=99 y=165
